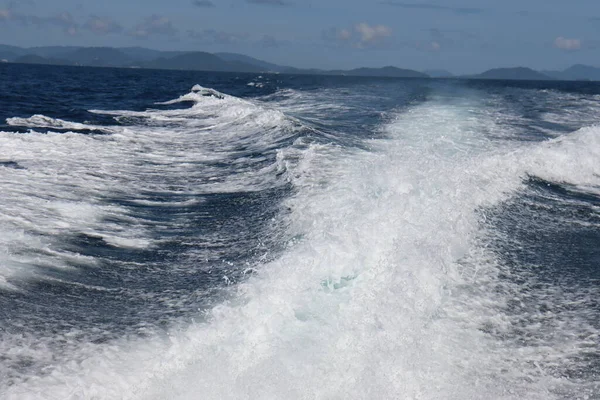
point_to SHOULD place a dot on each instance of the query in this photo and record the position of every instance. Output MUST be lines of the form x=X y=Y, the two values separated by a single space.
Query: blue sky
x=463 y=36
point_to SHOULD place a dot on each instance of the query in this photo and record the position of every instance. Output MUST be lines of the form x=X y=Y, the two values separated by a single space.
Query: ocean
x=196 y=235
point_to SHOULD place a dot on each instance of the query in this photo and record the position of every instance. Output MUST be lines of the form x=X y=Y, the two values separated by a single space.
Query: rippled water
x=199 y=235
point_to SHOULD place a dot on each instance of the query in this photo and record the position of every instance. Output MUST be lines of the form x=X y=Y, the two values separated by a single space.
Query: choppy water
x=189 y=235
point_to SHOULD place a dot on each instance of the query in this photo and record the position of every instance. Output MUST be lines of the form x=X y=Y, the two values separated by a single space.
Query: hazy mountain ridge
x=235 y=57
x=141 y=57
x=516 y=73
x=35 y=59
x=576 y=72
x=439 y=73
x=388 y=71
x=201 y=61
x=99 y=57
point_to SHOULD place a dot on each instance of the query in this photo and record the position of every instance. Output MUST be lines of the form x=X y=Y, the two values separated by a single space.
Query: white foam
x=373 y=299
x=373 y=302
x=42 y=121
x=571 y=159
x=317 y=105
x=66 y=180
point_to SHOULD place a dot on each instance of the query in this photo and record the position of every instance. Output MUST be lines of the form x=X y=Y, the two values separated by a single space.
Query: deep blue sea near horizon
x=196 y=235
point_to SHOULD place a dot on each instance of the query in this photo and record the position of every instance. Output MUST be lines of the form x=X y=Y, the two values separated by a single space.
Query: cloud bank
x=361 y=35
x=567 y=44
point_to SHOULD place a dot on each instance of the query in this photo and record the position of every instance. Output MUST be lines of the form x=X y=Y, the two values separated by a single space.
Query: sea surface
x=190 y=235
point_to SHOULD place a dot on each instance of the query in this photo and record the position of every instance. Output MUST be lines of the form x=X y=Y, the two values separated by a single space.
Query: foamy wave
x=212 y=111
x=56 y=185
x=201 y=94
x=366 y=301
x=386 y=290
x=42 y=121
x=573 y=159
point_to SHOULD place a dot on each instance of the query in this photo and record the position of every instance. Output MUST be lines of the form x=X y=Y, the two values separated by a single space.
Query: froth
x=42 y=121
x=381 y=293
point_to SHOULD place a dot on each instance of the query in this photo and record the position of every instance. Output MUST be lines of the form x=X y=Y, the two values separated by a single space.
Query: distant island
x=518 y=73
x=139 y=57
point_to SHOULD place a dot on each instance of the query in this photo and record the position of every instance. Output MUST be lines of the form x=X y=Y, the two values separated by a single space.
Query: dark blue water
x=440 y=236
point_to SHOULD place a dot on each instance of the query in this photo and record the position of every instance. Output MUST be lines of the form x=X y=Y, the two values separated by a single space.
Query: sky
x=462 y=36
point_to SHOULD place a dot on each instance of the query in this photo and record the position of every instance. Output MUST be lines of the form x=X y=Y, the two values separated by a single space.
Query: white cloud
x=361 y=35
x=567 y=44
x=371 y=35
